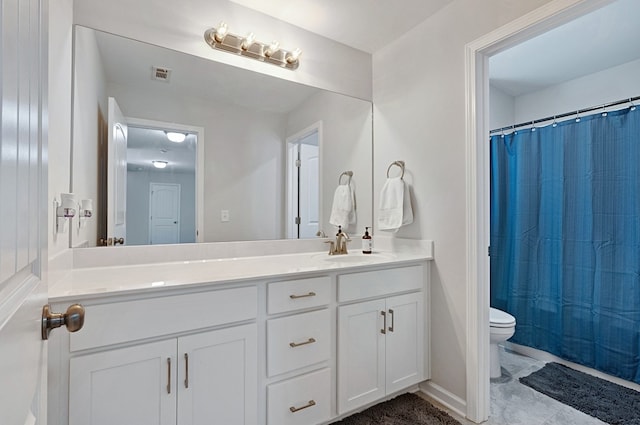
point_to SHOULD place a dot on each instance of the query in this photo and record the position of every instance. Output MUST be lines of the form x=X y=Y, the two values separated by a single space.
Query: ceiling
x=600 y=40
x=145 y=145
x=366 y=25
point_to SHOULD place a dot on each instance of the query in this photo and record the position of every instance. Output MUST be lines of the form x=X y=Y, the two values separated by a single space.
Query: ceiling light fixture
x=175 y=136
x=220 y=38
x=159 y=164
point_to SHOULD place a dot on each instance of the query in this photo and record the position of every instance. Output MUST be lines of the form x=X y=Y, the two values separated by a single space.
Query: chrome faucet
x=339 y=246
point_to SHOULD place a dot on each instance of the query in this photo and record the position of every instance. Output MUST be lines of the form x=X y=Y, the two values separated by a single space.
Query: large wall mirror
x=173 y=148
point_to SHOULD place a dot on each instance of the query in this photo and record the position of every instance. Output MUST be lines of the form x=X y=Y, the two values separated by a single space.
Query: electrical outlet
x=224 y=216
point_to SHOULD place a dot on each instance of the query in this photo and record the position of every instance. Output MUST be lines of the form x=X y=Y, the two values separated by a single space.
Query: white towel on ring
x=343 y=210
x=395 y=205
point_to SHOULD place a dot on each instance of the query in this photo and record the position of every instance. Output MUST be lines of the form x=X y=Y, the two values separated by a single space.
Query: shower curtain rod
x=568 y=114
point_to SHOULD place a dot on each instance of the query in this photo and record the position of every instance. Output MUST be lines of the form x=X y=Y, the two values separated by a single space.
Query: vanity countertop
x=85 y=283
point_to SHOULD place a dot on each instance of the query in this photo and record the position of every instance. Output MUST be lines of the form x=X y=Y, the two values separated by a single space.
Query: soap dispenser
x=367 y=242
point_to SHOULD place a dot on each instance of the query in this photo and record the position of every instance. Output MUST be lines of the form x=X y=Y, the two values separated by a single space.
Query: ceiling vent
x=161 y=74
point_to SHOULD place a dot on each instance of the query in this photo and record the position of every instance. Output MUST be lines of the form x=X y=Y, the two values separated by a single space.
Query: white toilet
x=502 y=327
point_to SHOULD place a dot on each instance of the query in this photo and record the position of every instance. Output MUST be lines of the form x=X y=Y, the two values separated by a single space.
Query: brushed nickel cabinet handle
x=384 y=326
x=168 y=375
x=186 y=370
x=392 y=320
x=299 y=344
x=296 y=409
x=295 y=297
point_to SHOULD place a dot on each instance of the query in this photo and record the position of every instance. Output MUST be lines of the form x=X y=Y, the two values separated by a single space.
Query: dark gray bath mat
x=609 y=402
x=407 y=409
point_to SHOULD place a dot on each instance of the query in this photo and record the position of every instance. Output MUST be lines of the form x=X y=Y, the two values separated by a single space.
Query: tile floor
x=513 y=403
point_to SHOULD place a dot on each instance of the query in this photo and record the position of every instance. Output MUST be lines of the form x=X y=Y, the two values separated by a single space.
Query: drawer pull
x=295 y=297
x=296 y=409
x=168 y=375
x=186 y=370
x=299 y=344
x=392 y=320
x=384 y=325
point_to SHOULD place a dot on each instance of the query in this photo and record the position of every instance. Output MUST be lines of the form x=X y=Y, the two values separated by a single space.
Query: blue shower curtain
x=565 y=239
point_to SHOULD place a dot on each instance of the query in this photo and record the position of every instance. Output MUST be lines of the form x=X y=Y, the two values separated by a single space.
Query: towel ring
x=349 y=174
x=398 y=164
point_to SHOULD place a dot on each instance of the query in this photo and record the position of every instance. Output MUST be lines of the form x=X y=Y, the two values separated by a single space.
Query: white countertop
x=85 y=283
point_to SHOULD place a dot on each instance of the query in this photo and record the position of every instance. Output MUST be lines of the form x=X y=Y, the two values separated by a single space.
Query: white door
x=309 y=197
x=136 y=385
x=404 y=344
x=218 y=377
x=304 y=206
x=164 y=213
x=361 y=354
x=23 y=206
x=116 y=172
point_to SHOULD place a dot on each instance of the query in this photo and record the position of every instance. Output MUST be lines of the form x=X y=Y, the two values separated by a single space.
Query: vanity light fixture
x=221 y=38
x=175 y=137
x=159 y=164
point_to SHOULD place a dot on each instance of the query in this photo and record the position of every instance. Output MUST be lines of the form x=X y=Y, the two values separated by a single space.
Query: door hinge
x=489 y=251
x=298 y=220
x=298 y=163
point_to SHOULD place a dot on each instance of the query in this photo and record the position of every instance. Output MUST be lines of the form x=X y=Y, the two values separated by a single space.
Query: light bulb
x=273 y=47
x=293 y=56
x=248 y=41
x=221 y=32
x=159 y=164
x=176 y=137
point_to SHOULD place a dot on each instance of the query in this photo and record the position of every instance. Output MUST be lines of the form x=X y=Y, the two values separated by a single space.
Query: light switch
x=224 y=216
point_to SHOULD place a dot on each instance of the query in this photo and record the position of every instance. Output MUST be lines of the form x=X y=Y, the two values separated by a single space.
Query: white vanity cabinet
x=300 y=341
x=381 y=340
x=205 y=378
x=185 y=358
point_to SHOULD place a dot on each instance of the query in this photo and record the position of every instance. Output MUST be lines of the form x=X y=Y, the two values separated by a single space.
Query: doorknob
x=117 y=241
x=73 y=319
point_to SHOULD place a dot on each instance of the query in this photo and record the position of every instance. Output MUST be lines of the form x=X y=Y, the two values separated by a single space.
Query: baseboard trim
x=444 y=397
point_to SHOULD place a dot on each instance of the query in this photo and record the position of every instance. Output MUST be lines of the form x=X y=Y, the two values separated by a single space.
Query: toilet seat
x=500 y=319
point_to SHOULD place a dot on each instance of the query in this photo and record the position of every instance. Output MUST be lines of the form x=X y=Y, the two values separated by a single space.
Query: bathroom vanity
x=271 y=340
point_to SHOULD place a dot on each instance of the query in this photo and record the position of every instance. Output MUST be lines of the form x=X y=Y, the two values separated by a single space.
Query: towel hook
x=349 y=174
x=398 y=164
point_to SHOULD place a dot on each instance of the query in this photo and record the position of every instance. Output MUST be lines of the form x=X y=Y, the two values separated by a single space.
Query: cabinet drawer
x=114 y=323
x=304 y=400
x=298 y=294
x=297 y=341
x=356 y=286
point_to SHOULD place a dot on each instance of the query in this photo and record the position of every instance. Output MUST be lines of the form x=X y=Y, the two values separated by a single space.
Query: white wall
x=90 y=98
x=60 y=44
x=610 y=85
x=180 y=25
x=243 y=150
x=502 y=107
x=419 y=110
x=346 y=145
x=138 y=184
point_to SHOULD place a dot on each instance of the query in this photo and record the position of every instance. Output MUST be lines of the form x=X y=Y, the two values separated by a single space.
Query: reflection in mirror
x=264 y=154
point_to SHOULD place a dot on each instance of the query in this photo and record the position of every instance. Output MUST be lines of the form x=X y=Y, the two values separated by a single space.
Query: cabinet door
x=361 y=351
x=218 y=377
x=129 y=386
x=405 y=341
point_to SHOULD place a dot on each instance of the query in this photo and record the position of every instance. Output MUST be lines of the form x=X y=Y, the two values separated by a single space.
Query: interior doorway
x=478 y=53
x=303 y=183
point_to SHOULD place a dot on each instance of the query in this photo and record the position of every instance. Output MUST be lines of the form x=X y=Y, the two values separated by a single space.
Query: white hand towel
x=395 y=205
x=342 y=210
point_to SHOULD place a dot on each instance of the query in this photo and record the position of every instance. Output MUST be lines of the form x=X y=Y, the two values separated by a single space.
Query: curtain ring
x=398 y=164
